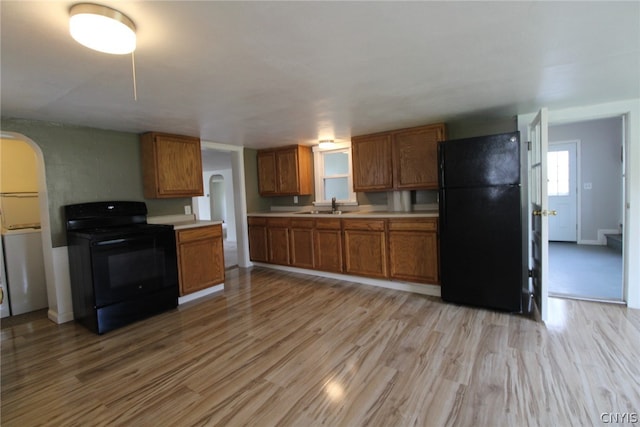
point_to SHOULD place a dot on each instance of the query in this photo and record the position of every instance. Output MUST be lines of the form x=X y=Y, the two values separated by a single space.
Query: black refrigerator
x=481 y=236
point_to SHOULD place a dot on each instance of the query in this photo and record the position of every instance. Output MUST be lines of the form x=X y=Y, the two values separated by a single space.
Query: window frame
x=318 y=164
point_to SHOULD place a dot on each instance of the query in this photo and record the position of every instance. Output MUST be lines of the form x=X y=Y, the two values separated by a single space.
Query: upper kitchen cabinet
x=171 y=165
x=285 y=171
x=404 y=159
x=415 y=157
x=371 y=157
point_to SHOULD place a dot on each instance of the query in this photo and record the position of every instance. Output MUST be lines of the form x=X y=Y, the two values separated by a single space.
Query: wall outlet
x=588 y=186
x=295 y=200
x=187 y=210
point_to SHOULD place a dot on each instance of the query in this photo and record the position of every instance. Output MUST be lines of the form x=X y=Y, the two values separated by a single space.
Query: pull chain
x=133 y=69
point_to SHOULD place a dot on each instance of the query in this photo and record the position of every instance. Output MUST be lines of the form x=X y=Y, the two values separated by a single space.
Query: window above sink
x=333 y=177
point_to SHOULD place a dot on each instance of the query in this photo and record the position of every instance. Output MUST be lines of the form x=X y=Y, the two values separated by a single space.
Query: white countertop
x=352 y=214
x=180 y=222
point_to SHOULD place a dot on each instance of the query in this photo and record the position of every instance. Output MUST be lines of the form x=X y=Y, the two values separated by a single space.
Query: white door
x=562 y=191
x=539 y=210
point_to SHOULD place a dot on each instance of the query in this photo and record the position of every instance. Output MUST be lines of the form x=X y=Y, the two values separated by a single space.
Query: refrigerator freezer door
x=480 y=161
x=481 y=247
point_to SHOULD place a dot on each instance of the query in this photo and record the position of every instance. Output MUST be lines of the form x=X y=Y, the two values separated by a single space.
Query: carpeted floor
x=587 y=271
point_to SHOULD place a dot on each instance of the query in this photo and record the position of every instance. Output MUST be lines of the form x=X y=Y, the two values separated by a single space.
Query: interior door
x=539 y=233
x=562 y=190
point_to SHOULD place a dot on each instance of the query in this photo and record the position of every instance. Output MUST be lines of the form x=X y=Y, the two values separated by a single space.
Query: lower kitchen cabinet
x=258 y=239
x=413 y=250
x=302 y=243
x=328 y=245
x=200 y=258
x=278 y=247
x=365 y=247
x=403 y=249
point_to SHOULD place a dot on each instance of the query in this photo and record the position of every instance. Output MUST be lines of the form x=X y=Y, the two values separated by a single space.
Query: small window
x=558 y=173
x=333 y=174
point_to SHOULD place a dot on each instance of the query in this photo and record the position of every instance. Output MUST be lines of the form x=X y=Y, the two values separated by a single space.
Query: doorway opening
x=24 y=253
x=219 y=201
x=586 y=189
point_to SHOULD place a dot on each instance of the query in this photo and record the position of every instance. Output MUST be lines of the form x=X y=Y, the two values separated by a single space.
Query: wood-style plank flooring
x=286 y=349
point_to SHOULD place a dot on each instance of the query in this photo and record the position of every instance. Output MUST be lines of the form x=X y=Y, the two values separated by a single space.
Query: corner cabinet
x=404 y=159
x=285 y=171
x=171 y=165
x=200 y=258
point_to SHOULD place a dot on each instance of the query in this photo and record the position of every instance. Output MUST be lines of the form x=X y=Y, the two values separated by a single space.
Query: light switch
x=587 y=186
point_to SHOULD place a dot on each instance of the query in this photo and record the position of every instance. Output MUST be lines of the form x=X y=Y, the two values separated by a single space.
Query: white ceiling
x=261 y=74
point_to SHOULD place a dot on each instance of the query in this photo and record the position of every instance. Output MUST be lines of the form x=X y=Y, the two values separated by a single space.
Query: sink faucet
x=334 y=205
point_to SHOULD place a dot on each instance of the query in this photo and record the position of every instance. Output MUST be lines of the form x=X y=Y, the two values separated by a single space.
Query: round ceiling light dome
x=102 y=28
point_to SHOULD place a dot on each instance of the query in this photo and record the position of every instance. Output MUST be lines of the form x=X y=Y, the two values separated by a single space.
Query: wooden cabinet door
x=413 y=250
x=267 y=173
x=278 y=241
x=372 y=162
x=415 y=154
x=258 y=239
x=302 y=243
x=200 y=258
x=288 y=181
x=365 y=248
x=328 y=245
x=172 y=165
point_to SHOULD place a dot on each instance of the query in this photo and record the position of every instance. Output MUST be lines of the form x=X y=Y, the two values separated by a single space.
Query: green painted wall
x=84 y=164
x=255 y=203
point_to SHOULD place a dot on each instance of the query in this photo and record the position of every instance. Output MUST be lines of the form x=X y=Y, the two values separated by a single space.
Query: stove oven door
x=133 y=265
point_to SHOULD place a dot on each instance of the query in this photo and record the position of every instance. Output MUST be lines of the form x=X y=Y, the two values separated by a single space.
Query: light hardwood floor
x=286 y=349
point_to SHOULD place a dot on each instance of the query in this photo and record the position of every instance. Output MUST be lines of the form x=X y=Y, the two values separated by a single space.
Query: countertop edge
x=181 y=222
x=348 y=215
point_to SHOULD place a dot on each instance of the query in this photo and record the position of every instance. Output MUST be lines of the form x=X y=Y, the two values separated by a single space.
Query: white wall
x=600 y=166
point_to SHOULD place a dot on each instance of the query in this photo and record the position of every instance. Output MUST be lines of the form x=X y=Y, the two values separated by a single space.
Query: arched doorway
x=54 y=295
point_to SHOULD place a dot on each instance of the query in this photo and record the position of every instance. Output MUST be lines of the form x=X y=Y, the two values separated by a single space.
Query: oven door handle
x=126 y=240
x=110 y=242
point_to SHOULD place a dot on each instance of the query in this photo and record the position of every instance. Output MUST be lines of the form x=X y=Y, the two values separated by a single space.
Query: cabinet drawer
x=198 y=233
x=278 y=222
x=257 y=220
x=328 y=224
x=413 y=225
x=302 y=223
x=363 y=224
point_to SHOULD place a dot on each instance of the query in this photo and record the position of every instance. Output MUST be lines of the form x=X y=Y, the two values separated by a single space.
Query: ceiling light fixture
x=326 y=143
x=102 y=28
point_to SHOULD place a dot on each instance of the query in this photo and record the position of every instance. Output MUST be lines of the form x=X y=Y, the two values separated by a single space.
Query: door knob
x=545 y=213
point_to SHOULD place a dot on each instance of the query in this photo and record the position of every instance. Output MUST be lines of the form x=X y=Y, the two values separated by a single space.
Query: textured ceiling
x=261 y=74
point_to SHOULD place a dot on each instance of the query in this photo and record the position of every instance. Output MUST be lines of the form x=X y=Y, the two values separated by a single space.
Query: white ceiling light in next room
x=102 y=28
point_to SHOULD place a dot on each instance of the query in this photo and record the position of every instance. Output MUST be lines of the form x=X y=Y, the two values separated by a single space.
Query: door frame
x=629 y=110
x=578 y=189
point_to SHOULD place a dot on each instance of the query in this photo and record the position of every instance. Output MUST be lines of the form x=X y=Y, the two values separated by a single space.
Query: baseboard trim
x=430 y=290
x=602 y=238
x=200 y=294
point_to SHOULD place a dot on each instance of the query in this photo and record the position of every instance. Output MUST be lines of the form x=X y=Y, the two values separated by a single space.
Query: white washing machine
x=24 y=264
